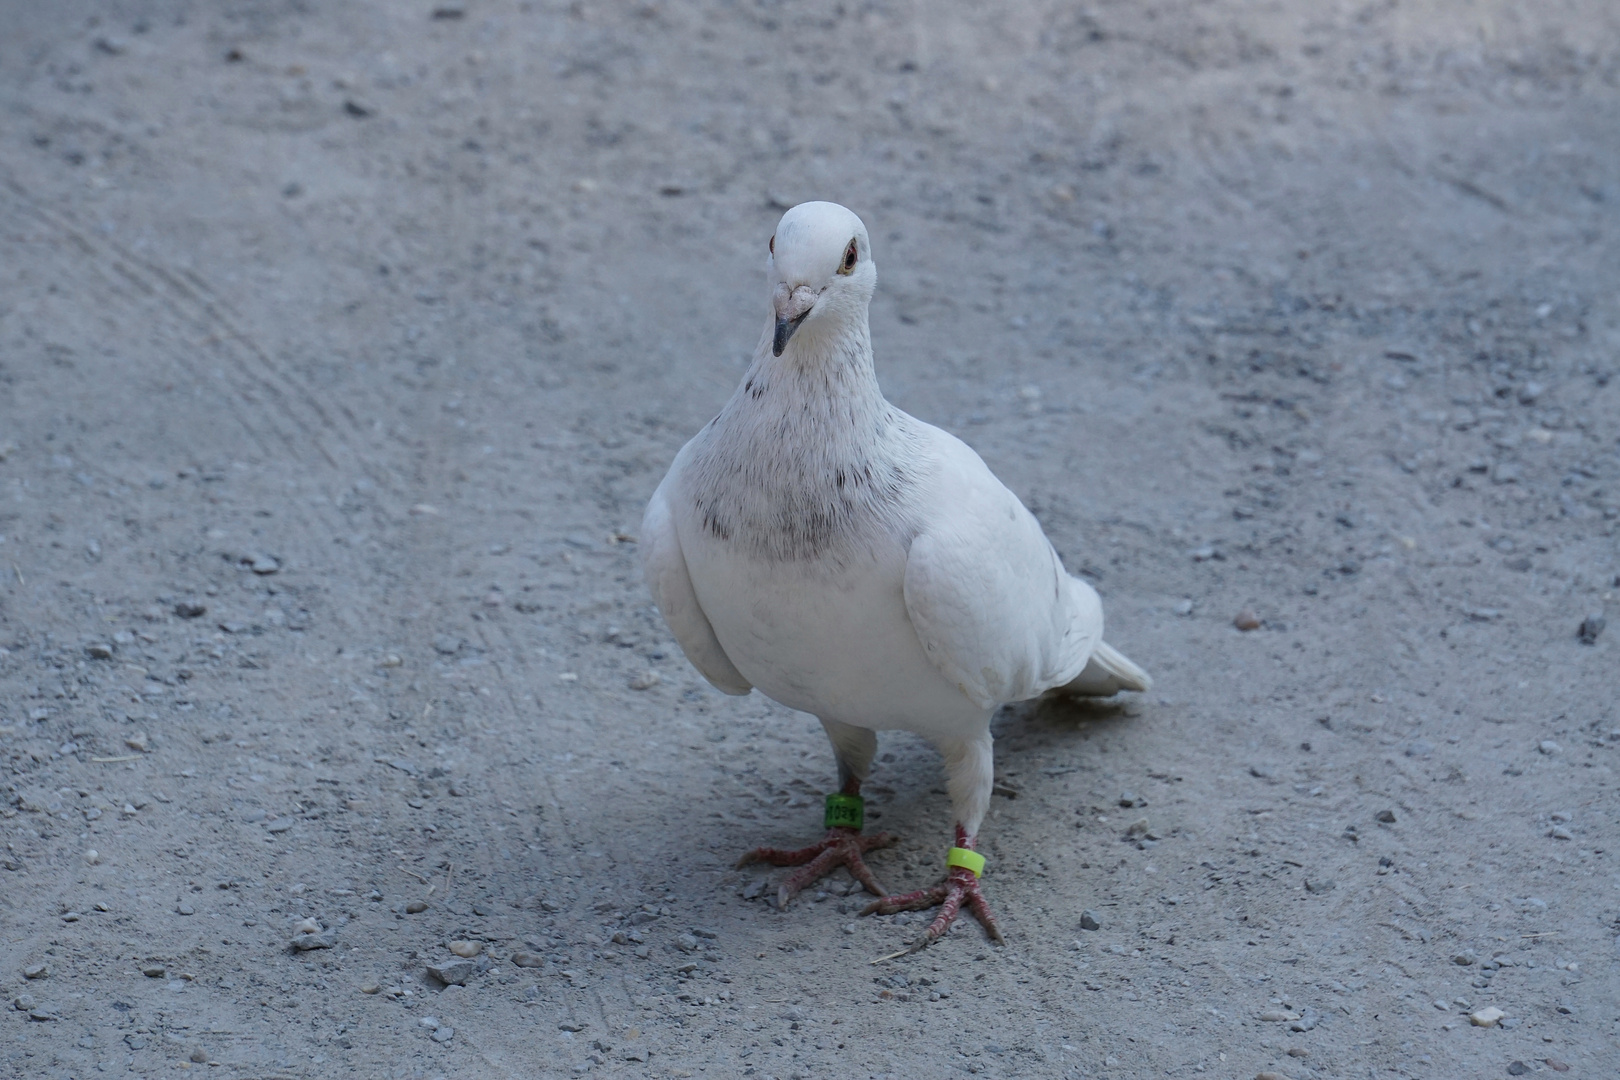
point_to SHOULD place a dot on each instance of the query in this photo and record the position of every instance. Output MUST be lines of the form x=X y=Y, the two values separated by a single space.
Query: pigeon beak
x=792 y=305
x=784 y=330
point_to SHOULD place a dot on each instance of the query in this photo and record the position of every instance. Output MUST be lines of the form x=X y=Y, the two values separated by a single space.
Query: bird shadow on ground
x=1060 y=716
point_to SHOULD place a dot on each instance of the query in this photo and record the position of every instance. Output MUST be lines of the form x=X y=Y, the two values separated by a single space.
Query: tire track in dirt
x=295 y=420
x=188 y=299
x=507 y=776
x=114 y=278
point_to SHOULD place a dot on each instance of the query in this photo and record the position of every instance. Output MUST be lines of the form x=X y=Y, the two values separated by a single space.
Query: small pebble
x=466 y=949
x=23 y=1002
x=36 y=971
x=1320 y=886
x=1517 y=1068
x=71 y=916
x=136 y=741
x=1298 y=1052
x=264 y=564
x=443 y=1034
x=1549 y=747
x=452 y=972
x=1464 y=959
x=186 y=909
x=306 y=926
x=154 y=971
x=1089 y=921
x=686 y=943
x=429 y=1022
x=1385 y=816
x=199 y=1055
x=370 y=987
x=1246 y=620
x=1183 y=607
x=1489 y=1016
x=528 y=960
x=187 y=609
x=1128 y=799
x=645 y=681
x=92 y=856
x=1590 y=628
x=1557 y=1066
x=98 y=651
x=1269 y=1076
x=416 y=907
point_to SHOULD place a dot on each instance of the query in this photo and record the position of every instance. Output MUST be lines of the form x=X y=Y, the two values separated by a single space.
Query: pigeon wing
x=665 y=568
x=989 y=599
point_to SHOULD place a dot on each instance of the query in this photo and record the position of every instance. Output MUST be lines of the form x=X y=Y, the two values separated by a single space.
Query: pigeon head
x=821 y=266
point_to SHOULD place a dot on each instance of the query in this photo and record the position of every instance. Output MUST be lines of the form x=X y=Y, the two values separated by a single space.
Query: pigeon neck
x=807 y=460
x=827 y=375
x=840 y=338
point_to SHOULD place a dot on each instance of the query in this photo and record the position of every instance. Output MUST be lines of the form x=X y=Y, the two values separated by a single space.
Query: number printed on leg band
x=845 y=812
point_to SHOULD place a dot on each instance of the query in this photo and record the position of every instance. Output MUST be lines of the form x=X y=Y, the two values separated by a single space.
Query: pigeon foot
x=960 y=887
x=840 y=847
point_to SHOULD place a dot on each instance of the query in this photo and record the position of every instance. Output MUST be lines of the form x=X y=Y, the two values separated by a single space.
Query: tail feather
x=1108 y=672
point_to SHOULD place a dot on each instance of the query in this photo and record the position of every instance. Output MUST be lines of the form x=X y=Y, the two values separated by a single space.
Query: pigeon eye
x=848 y=265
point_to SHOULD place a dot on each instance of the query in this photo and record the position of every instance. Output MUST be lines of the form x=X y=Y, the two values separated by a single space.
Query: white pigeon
x=857 y=564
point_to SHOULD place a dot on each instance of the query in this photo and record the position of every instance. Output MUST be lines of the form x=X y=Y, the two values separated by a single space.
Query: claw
x=840 y=847
x=959 y=887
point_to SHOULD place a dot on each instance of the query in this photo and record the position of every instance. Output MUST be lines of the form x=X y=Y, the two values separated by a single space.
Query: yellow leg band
x=968 y=860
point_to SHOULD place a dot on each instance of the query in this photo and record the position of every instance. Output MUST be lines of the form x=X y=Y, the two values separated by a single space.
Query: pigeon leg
x=960 y=888
x=842 y=846
x=970 y=771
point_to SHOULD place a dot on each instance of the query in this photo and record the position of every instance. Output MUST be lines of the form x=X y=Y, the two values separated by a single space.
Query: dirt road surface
x=341 y=345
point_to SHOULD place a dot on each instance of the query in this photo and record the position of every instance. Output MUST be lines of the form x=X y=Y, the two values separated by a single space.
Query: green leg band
x=845 y=811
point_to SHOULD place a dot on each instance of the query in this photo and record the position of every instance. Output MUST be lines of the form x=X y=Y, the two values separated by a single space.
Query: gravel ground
x=341 y=345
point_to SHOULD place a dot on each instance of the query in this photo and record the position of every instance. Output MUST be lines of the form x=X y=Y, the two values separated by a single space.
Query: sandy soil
x=341 y=345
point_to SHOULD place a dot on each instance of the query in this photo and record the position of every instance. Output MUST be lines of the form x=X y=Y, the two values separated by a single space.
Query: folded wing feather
x=988 y=596
x=672 y=590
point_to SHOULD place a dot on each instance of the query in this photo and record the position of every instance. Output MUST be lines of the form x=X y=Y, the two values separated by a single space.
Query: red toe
x=960 y=887
x=840 y=847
